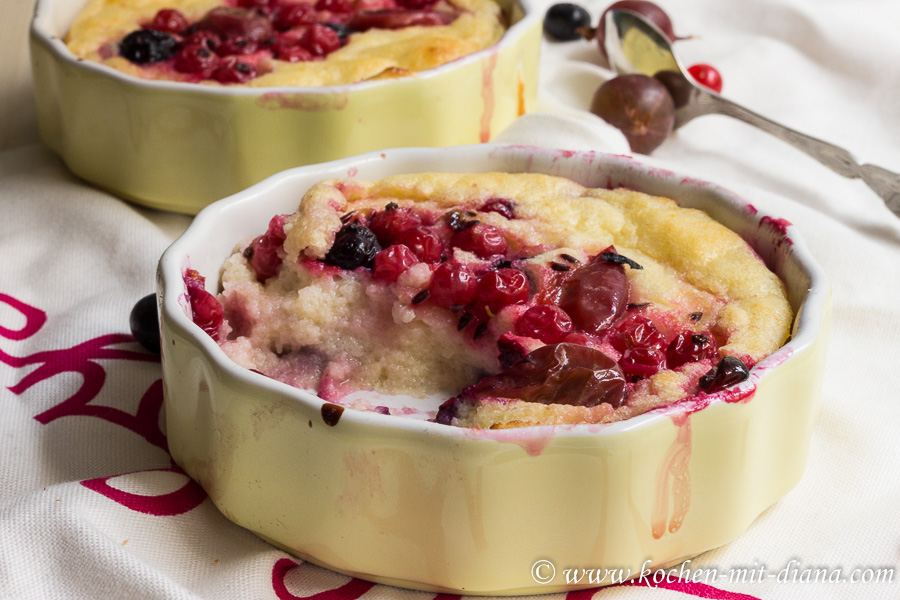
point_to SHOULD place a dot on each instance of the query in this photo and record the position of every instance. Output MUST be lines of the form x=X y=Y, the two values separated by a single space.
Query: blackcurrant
x=562 y=21
x=148 y=46
x=354 y=246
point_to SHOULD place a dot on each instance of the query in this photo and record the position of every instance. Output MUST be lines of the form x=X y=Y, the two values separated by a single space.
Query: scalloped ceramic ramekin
x=433 y=507
x=180 y=146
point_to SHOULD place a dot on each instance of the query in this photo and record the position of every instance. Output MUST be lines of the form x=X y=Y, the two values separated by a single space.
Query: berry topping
x=335 y=6
x=690 y=347
x=730 y=371
x=640 y=363
x=557 y=374
x=287 y=16
x=453 y=285
x=195 y=58
x=500 y=288
x=595 y=295
x=547 y=323
x=635 y=331
x=236 y=47
x=416 y=4
x=233 y=70
x=144 y=323
x=169 y=20
x=263 y=251
x=563 y=21
x=148 y=46
x=234 y=22
x=501 y=206
x=354 y=246
x=289 y=52
x=320 y=40
x=482 y=240
x=343 y=31
x=203 y=38
x=398 y=18
x=389 y=223
x=206 y=311
x=424 y=242
x=392 y=262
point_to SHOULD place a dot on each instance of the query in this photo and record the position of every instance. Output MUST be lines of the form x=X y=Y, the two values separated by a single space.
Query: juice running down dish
x=519 y=299
x=282 y=42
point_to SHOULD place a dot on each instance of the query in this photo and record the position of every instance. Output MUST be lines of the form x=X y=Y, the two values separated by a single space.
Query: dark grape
x=646 y=9
x=144 y=323
x=148 y=46
x=639 y=106
x=558 y=374
x=562 y=21
x=595 y=295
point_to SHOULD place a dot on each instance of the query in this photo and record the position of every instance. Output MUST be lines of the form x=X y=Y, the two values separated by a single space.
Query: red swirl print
x=186 y=498
x=82 y=359
x=351 y=590
x=675 y=584
x=34 y=319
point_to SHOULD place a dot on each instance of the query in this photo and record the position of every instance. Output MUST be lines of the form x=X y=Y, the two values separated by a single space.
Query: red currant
x=195 y=58
x=236 y=47
x=320 y=40
x=425 y=243
x=233 y=70
x=206 y=311
x=707 y=76
x=501 y=206
x=389 y=223
x=635 y=331
x=482 y=240
x=690 y=347
x=640 y=363
x=335 y=6
x=501 y=288
x=288 y=52
x=169 y=19
x=452 y=285
x=263 y=251
x=545 y=322
x=392 y=262
x=292 y=15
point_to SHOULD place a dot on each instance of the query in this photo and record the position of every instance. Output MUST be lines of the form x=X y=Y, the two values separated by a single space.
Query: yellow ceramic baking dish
x=432 y=507
x=179 y=146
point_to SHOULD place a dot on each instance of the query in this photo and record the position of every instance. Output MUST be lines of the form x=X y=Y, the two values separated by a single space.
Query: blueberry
x=354 y=246
x=562 y=21
x=148 y=46
x=144 y=323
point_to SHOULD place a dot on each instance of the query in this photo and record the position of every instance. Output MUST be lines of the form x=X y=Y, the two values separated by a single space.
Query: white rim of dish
x=806 y=319
x=40 y=30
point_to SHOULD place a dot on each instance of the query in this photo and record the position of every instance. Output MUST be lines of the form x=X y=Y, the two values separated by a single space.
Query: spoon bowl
x=635 y=45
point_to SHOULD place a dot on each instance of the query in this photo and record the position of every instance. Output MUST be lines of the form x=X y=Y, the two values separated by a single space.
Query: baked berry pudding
x=282 y=42
x=519 y=299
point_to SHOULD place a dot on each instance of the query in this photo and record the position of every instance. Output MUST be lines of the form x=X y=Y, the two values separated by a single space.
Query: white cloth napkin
x=91 y=507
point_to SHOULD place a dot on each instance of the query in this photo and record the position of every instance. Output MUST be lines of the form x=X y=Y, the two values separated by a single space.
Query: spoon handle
x=883 y=182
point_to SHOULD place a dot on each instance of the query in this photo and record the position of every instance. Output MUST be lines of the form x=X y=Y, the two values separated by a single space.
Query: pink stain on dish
x=352 y=172
x=303 y=102
x=487 y=95
x=351 y=590
x=673 y=470
x=533 y=444
x=779 y=226
x=752 y=209
x=186 y=498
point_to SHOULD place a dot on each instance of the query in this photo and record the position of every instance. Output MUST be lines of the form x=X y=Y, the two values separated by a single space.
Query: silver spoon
x=635 y=45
